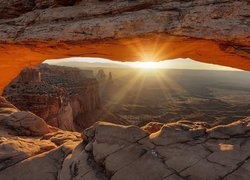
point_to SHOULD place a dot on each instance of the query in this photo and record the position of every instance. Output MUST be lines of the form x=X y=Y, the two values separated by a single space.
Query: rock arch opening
x=31 y=32
x=17 y=55
x=74 y=93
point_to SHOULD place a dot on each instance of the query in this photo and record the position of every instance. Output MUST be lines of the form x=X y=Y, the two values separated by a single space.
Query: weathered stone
x=209 y=31
x=14 y=150
x=62 y=101
x=146 y=167
x=233 y=129
x=61 y=137
x=43 y=166
x=24 y=123
x=152 y=127
x=113 y=133
x=176 y=133
x=108 y=151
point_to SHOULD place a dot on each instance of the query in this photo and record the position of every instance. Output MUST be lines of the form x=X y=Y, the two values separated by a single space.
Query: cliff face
x=23 y=136
x=60 y=95
x=205 y=30
x=82 y=91
x=31 y=149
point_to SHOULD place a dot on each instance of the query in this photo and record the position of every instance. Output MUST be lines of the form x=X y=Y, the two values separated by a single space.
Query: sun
x=146 y=65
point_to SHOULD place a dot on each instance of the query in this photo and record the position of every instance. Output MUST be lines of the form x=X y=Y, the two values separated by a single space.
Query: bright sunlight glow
x=145 y=65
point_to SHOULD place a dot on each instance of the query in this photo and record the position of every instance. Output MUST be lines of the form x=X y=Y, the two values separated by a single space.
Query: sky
x=168 y=64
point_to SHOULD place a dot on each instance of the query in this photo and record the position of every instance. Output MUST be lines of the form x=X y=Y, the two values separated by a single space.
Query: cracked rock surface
x=172 y=151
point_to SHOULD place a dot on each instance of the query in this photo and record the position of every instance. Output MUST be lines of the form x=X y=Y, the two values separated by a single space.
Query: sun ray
x=118 y=96
x=166 y=85
x=139 y=90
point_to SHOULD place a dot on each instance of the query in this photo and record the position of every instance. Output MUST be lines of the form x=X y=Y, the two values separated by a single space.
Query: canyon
x=67 y=98
x=209 y=31
x=32 y=31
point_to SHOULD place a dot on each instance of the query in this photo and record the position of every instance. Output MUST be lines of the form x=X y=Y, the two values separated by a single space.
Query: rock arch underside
x=211 y=31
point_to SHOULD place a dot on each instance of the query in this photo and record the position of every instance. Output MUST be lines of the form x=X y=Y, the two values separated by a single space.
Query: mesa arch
x=209 y=31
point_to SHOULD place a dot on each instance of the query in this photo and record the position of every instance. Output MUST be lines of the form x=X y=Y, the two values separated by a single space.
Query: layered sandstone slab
x=178 y=150
x=210 y=31
x=23 y=135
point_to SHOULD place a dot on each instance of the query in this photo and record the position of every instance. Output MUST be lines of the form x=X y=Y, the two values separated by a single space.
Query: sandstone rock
x=233 y=129
x=240 y=173
x=103 y=150
x=177 y=151
x=61 y=137
x=176 y=133
x=142 y=169
x=6 y=107
x=152 y=127
x=60 y=100
x=123 y=30
x=14 y=150
x=75 y=165
x=65 y=97
x=24 y=124
x=89 y=147
x=43 y=100
x=38 y=141
x=40 y=167
x=123 y=158
x=192 y=154
x=80 y=165
x=113 y=133
x=181 y=156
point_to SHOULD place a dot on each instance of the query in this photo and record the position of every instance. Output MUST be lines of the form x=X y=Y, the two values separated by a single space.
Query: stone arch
x=208 y=31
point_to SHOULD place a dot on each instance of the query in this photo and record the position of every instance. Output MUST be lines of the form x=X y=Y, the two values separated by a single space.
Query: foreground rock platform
x=172 y=151
x=205 y=30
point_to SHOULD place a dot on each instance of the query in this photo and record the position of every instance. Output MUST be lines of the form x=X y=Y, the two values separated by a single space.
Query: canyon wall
x=205 y=30
x=60 y=95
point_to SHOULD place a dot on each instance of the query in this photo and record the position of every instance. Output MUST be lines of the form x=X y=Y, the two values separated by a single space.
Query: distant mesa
x=65 y=97
x=101 y=76
x=48 y=91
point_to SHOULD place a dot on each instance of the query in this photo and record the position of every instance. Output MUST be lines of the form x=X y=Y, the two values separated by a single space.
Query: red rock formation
x=24 y=135
x=82 y=92
x=65 y=97
x=29 y=75
x=46 y=101
x=206 y=30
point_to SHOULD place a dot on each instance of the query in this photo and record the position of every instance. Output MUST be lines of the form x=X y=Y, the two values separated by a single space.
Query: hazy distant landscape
x=168 y=95
x=124 y=90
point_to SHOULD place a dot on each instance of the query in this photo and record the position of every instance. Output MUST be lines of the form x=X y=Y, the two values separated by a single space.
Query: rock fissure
x=238 y=166
x=99 y=170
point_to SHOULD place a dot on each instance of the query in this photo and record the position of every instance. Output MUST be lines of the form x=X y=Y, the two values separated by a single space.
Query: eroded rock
x=178 y=150
x=206 y=30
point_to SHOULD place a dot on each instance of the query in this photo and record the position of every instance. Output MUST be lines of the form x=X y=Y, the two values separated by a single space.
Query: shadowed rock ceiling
x=209 y=31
